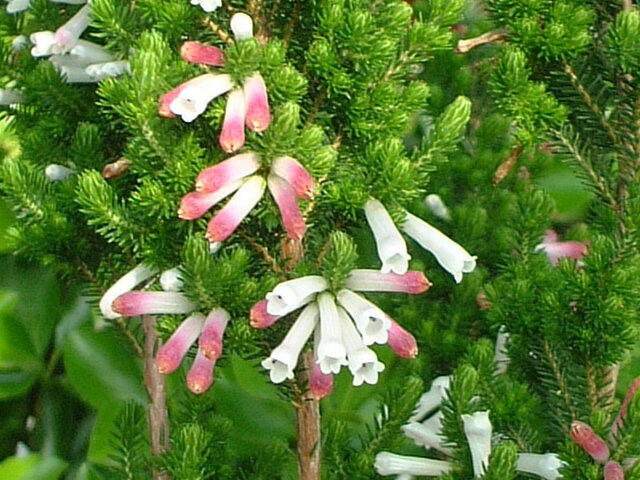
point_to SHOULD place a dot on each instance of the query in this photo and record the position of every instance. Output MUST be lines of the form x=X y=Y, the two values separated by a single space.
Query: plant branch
x=469 y=44
x=505 y=167
x=308 y=424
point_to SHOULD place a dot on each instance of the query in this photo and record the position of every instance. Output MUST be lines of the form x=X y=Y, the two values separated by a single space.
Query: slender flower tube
x=285 y=198
x=372 y=322
x=57 y=173
x=207 y=5
x=500 y=356
x=10 y=97
x=200 y=376
x=426 y=437
x=545 y=465
x=625 y=404
x=320 y=384
x=402 y=342
x=195 y=95
x=613 y=471
x=392 y=250
x=241 y=26
x=432 y=399
x=171 y=280
x=232 y=135
x=75 y=75
x=287 y=295
x=255 y=96
x=284 y=357
x=68 y=34
x=227 y=220
x=43 y=43
x=171 y=353
x=17 y=6
x=195 y=204
x=164 y=107
x=125 y=284
x=260 y=318
x=296 y=175
x=374 y=281
x=100 y=71
x=232 y=169
x=437 y=207
x=132 y=304
x=331 y=350
x=391 y=464
x=363 y=362
x=196 y=52
x=590 y=441
x=210 y=341
x=556 y=250
x=477 y=429
x=449 y=254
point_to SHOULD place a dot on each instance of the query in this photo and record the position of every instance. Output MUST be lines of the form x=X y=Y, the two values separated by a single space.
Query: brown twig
x=627 y=5
x=288 y=31
x=469 y=44
x=562 y=386
x=256 y=11
x=308 y=424
x=607 y=393
x=157 y=409
x=265 y=254
x=506 y=166
x=222 y=35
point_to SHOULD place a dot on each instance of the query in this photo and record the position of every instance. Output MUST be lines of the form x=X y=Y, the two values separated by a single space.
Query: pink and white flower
x=392 y=249
x=402 y=342
x=190 y=99
x=170 y=355
x=125 y=284
x=362 y=361
x=285 y=198
x=293 y=294
x=295 y=174
x=556 y=250
x=196 y=52
x=332 y=353
x=232 y=135
x=320 y=383
x=66 y=37
x=200 y=376
x=257 y=103
x=210 y=341
x=364 y=280
x=132 y=304
x=372 y=322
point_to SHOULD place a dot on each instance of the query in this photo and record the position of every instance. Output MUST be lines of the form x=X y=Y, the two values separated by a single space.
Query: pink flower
x=210 y=341
x=68 y=34
x=255 y=95
x=402 y=342
x=196 y=52
x=285 y=198
x=590 y=441
x=226 y=172
x=200 y=376
x=613 y=471
x=556 y=250
x=170 y=355
x=320 y=384
x=373 y=281
x=294 y=173
x=195 y=204
x=164 y=109
x=132 y=304
x=260 y=318
x=232 y=135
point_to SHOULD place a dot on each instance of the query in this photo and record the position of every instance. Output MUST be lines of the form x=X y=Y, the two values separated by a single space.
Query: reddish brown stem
x=157 y=416
x=308 y=422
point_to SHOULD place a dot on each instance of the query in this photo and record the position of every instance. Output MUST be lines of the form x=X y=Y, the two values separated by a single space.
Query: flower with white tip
x=17 y=6
x=292 y=294
x=477 y=429
x=362 y=361
x=241 y=26
x=545 y=465
x=170 y=355
x=66 y=37
x=392 y=248
x=207 y=5
x=437 y=207
x=391 y=464
x=190 y=99
x=284 y=357
x=428 y=433
x=57 y=173
x=449 y=254
x=133 y=304
x=332 y=354
x=125 y=284
x=372 y=322
x=171 y=280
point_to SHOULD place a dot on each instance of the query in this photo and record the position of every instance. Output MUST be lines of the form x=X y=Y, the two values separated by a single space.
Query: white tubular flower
x=500 y=357
x=10 y=97
x=331 y=351
x=241 y=26
x=68 y=34
x=171 y=280
x=125 y=284
x=284 y=357
x=57 y=173
x=477 y=428
x=100 y=71
x=450 y=255
x=17 y=6
x=426 y=437
x=196 y=94
x=75 y=75
x=437 y=207
x=372 y=322
x=363 y=362
x=287 y=295
x=392 y=249
x=391 y=464
x=207 y=5
x=91 y=52
x=43 y=43
x=405 y=476
x=545 y=465
x=432 y=399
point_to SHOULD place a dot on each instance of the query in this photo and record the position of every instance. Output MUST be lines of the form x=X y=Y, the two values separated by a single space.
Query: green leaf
x=32 y=467
x=100 y=369
x=101 y=442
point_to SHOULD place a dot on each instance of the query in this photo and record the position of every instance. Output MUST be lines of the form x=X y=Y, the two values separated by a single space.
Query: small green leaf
x=32 y=467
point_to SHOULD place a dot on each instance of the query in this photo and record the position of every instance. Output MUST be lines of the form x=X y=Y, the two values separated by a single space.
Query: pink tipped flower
x=68 y=34
x=372 y=322
x=260 y=318
x=232 y=169
x=164 y=109
x=232 y=135
x=556 y=250
x=196 y=52
x=255 y=96
x=285 y=198
x=625 y=404
x=401 y=341
x=295 y=174
x=132 y=304
x=227 y=220
x=210 y=341
x=125 y=284
x=171 y=353
x=320 y=384
x=613 y=471
x=200 y=376
x=363 y=362
x=195 y=204
x=196 y=94
x=583 y=435
x=374 y=281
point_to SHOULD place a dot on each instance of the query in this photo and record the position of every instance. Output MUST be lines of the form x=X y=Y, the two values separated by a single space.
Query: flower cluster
x=121 y=301
x=427 y=432
x=345 y=324
x=287 y=181
x=247 y=104
x=78 y=61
